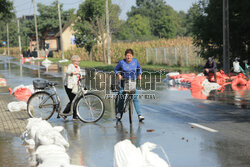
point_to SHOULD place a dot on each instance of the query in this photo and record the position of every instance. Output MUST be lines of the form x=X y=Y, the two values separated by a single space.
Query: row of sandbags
x=200 y=86
x=47 y=144
x=221 y=78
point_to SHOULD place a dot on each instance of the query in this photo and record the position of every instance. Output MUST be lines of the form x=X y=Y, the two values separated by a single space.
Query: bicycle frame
x=53 y=94
x=126 y=101
x=80 y=93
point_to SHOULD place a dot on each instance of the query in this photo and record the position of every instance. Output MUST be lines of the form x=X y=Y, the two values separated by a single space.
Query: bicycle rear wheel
x=89 y=108
x=41 y=105
x=130 y=110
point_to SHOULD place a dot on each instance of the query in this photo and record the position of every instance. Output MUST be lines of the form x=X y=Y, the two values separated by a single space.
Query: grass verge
x=150 y=68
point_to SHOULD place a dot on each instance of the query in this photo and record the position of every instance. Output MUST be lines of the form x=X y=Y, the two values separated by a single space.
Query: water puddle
x=13 y=153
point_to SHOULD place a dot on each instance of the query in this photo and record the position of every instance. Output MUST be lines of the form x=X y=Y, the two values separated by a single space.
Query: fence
x=181 y=55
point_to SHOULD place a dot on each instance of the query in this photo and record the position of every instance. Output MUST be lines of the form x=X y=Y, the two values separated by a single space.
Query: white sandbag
x=20 y=86
x=53 y=163
x=127 y=155
x=64 y=60
x=200 y=74
x=210 y=86
x=49 y=149
x=45 y=152
x=50 y=136
x=46 y=61
x=58 y=128
x=38 y=127
x=178 y=81
x=32 y=122
x=151 y=159
x=17 y=106
x=168 y=81
x=172 y=74
x=54 y=159
x=30 y=87
x=171 y=82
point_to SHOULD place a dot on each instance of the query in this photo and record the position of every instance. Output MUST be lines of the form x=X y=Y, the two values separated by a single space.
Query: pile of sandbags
x=22 y=92
x=47 y=142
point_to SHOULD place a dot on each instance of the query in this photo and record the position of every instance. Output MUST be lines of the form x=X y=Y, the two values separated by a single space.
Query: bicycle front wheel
x=130 y=110
x=41 y=105
x=116 y=106
x=89 y=108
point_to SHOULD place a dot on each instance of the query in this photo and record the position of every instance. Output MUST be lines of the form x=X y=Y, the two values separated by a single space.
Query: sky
x=25 y=7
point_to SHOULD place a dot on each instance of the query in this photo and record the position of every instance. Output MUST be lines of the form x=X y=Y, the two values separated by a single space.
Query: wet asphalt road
x=192 y=132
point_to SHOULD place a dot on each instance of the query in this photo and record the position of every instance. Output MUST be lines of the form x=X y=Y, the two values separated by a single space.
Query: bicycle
x=43 y=103
x=129 y=89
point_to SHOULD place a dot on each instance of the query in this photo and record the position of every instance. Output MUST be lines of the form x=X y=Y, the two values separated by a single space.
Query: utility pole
x=226 y=61
x=108 y=32
x=60 y=27
x=37 y=42
x=8 y=41
x=19 y=38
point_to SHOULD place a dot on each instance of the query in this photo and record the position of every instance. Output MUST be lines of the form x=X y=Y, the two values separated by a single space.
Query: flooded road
x=193 y=132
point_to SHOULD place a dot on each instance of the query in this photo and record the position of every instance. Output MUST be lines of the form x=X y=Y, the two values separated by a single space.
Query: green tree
x=12 y=32
x=47 y=22
x=183 y=24
x=160 y=14
x=7 y=15
x=165 y=27
x=91 y=21
x=140 y=26
x=207 y=28
x=48 y=19
x=124 y=32
x=6 y=10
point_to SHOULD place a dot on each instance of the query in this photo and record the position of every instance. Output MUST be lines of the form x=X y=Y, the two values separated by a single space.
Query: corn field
x=144 y=50
x=178 y=55
x=179 y=51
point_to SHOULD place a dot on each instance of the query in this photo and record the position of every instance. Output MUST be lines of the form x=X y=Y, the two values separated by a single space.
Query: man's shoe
x=140 y=118
x=118 y=116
